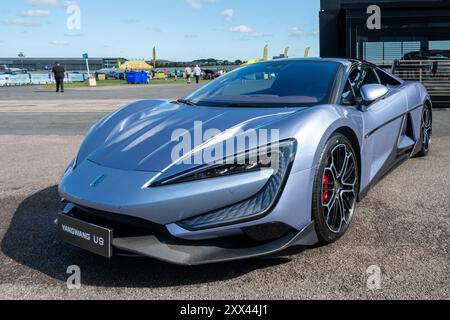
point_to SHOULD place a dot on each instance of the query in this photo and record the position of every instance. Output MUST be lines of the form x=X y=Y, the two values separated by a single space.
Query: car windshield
x=279 y=83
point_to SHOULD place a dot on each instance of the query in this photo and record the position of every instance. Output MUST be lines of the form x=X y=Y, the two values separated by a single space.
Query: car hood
x=141 y=138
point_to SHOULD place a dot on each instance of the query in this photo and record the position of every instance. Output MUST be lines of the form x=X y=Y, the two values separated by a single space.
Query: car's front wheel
x=335 y=189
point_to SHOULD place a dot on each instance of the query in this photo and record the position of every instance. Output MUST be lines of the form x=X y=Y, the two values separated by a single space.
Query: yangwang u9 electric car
x=336 y=127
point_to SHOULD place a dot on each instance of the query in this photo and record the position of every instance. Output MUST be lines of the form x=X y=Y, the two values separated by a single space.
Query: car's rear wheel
x=335 y=189
x=426 y=132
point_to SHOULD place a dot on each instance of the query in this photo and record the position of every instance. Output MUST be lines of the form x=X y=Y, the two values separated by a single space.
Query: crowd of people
x=191 y=73
x=196 y=72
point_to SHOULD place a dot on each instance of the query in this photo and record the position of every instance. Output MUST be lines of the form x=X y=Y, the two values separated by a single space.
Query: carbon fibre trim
x=192 y=253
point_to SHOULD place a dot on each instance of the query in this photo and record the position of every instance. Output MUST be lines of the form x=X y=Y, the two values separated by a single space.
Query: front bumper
x=142 y=238
x=212 y=251
x=127 y=192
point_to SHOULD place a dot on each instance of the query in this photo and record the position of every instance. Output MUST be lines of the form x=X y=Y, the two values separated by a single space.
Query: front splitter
x=211 y=251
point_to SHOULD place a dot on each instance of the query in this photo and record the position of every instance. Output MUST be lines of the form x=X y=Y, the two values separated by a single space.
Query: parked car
x=141 y=184
x=210 y=74
x=428 y=55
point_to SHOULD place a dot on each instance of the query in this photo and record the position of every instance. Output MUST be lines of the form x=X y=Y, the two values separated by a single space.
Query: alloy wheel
x=426 y=129
x=339 y=188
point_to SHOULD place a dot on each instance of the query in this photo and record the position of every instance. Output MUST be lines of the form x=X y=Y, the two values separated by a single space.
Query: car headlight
x=282 y=155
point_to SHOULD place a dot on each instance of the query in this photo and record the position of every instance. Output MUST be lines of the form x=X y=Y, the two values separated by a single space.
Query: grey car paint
x=132 y=147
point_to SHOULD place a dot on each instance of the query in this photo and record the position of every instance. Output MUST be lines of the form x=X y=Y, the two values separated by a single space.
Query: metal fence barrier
x=433 y=74
x=22 y=79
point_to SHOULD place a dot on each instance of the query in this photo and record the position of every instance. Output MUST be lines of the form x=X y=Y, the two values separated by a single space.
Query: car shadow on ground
x=31 y=241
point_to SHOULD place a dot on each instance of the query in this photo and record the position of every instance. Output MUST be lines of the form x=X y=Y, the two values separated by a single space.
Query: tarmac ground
x=402 y=227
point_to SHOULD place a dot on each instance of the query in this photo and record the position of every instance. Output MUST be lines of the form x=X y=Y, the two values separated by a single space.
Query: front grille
x=126 y=226
x=123 y=225
x=268 y=231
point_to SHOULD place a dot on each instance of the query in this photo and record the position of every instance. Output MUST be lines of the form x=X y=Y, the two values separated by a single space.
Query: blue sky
x=180 y=29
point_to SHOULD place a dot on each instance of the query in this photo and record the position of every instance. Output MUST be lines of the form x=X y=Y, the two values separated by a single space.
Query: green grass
x=179 y=81
x=114 y=83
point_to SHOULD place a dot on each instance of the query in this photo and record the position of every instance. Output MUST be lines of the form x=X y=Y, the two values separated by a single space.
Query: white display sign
x=4 y=78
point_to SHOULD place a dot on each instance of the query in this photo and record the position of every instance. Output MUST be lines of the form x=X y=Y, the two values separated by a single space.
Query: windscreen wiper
x=189 y=102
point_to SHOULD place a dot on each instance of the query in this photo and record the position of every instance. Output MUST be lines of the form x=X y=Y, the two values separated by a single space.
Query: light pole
x=21 y=56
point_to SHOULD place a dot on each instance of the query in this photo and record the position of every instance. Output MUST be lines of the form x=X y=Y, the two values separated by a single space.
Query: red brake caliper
x=326 y=180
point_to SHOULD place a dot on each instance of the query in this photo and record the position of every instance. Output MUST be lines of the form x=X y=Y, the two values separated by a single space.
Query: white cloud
x=246 y=32
x=35 y=13
x=43 y=2
x=59 y=43
x=228 y=14
x=190 y=36
x=242 y=29
x=297 y=32
x=198 y=4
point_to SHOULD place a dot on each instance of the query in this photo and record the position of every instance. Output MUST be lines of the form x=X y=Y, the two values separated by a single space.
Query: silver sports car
x=271 y=155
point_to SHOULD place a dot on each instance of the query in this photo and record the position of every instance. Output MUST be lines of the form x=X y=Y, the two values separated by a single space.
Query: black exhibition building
x=413 y=41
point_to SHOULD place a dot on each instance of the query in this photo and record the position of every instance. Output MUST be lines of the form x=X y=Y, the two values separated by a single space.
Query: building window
x=383 y=53
x=401 y=40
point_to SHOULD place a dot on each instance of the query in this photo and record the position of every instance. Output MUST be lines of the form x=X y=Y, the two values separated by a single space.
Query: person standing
x=59 y=73
x=188 y=72
x=197 y=74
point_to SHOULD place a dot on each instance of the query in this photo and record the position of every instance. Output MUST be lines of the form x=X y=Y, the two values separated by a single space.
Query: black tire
x=426 y=132
x=335 y=189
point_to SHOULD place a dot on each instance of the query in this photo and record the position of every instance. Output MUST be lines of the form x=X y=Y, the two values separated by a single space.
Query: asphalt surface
x=133 y=92
x=403 y=226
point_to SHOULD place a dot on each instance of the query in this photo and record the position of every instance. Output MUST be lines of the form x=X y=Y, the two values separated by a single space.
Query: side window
x=351 y=95
x=348 y=96
x=358 y=77
x=370 y=76
x=386 y=79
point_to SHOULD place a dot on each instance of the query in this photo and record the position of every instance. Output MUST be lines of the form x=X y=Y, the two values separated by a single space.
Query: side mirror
x=372 y=92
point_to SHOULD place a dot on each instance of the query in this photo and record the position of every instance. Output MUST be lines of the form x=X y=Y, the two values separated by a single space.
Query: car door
x=383 y=122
